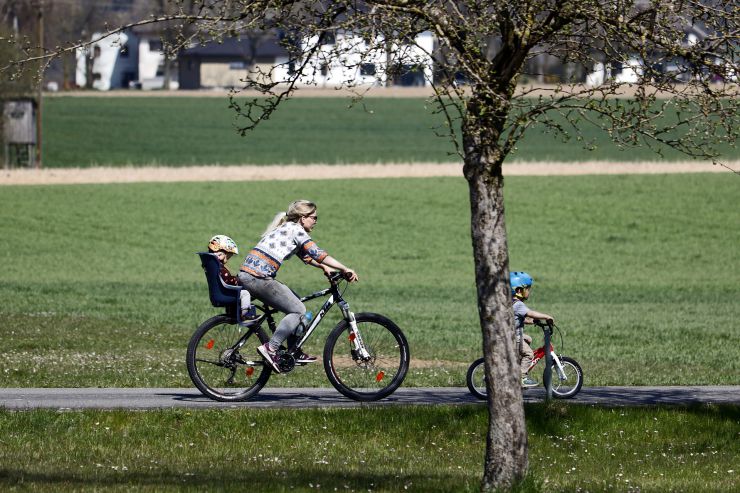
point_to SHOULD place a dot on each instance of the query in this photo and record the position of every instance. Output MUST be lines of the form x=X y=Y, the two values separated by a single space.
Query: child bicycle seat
x=220 y=293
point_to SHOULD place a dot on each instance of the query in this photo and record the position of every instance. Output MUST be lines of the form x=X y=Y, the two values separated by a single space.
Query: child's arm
x=227 y=277
x=534 y=315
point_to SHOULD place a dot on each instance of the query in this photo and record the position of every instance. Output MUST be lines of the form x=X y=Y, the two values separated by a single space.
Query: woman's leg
x=279 y=296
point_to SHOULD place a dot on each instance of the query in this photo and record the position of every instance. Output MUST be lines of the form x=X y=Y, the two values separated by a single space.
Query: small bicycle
x=567 y=376
x=366 y=356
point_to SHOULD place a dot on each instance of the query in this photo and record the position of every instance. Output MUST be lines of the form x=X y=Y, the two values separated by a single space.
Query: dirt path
x=59 y=176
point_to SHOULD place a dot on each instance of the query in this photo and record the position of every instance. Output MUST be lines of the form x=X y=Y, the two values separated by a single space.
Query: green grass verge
x=90 y=131
x=100 y=285
x=428 y=449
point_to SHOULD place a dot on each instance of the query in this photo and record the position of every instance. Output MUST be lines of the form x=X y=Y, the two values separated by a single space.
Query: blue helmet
x=519 y=280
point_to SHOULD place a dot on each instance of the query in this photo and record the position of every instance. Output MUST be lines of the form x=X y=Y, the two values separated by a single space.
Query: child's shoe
x=249 y=314
x=528 y=382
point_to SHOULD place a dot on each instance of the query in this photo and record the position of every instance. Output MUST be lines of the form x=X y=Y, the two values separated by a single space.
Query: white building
x=114 y=63
x=122 y=61
x=362 y=63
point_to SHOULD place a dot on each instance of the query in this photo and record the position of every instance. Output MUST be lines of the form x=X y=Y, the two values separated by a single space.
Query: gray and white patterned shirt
x=275 y=247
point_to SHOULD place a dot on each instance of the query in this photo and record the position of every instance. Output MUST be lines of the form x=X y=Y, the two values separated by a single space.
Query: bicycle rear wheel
x=375 y=376
x=217 y=369
x=569 y=384
x=476 y=379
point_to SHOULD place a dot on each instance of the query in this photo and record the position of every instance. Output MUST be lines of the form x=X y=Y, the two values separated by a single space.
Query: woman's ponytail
x=279 y=219
x=296 y=210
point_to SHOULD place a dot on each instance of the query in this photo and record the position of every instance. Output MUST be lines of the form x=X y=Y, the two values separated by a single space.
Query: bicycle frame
x=334 y=294
x=335 y=297
x=539 y=353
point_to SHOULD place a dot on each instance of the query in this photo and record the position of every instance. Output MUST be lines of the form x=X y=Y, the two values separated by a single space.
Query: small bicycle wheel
x=376 y=375
x=220 y=371
x=569 y=383
x=476 y=379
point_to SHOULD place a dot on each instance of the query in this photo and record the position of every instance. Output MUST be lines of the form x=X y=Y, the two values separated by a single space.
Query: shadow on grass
x=284 y=479
x=546 y=418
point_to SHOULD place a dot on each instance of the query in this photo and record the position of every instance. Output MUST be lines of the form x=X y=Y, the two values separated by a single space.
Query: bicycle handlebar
x=337 y=276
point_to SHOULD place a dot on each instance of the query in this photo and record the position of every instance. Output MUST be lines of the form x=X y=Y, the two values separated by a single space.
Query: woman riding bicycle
x=287 y=234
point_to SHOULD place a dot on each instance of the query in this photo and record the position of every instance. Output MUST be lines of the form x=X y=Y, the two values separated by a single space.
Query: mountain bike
x=366 y=356
x=567 y=376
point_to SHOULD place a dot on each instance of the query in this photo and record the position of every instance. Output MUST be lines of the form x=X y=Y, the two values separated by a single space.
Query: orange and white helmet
x=223 y=243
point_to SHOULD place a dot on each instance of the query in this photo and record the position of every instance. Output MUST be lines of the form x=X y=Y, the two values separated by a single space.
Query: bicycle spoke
x=372 y=374
x=218 y=369
x=569 y=383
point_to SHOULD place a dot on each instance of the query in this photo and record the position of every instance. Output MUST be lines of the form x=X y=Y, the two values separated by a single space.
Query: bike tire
x=219 y=374
x=574 y=374
x=476 y=379
x=373 y=379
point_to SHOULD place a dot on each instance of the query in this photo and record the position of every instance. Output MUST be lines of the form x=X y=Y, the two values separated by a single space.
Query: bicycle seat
x=220 y=293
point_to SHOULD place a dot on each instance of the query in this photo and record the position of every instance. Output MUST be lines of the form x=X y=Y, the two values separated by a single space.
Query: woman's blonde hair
x=296 y=210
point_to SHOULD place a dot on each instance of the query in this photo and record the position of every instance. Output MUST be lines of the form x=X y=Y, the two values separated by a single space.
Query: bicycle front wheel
x=569 y=383
x=370 y=376
x=476 y=379
x=218 y=369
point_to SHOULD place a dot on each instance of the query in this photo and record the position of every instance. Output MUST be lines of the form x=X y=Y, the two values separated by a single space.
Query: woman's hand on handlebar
x=328 y=271
x=335 y=275
x=331 y=265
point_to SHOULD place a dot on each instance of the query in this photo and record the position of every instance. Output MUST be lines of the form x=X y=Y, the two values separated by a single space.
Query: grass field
x=89 y=131
x=425 y=449
x=101 y=286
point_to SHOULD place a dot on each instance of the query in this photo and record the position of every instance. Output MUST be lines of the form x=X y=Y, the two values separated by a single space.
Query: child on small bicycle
x=224 y=247
x=521 y=287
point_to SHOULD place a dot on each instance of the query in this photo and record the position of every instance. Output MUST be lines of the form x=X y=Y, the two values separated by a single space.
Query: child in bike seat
x=224 y=247
x=521 y=288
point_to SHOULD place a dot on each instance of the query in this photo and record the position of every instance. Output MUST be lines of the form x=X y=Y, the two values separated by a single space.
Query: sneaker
x=249 y=314
x=301 y=357
x=528 y=382
x=269 y=355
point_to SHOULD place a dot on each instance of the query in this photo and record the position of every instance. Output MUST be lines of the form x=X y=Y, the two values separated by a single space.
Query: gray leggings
x=277 y=295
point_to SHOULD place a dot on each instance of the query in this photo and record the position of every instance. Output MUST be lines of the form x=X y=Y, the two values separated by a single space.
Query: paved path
x=162 y=398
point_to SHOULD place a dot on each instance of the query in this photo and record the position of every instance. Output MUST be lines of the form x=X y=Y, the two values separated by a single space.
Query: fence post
x=547 y=376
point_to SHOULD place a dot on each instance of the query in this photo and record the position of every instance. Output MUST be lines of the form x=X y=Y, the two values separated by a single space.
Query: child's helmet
x=223 y=242
x=520 y=280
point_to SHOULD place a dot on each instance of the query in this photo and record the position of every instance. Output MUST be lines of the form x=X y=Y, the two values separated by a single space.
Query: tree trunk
x=89 y=71
x=167 y=71
x=506 y=458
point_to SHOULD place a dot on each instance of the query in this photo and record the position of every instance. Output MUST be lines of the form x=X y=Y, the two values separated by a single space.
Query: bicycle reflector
x=250 y=371
x=209 y=345
x=352 y=336
x=379 y=376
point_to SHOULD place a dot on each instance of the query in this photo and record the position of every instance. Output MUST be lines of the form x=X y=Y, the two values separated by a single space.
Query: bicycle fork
x=540 y=354
x=358 y=346
x=559 y=367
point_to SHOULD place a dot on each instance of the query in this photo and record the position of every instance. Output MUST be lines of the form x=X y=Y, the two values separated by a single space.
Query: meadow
x=180 y=131
x=425 y=449
x=101 y=285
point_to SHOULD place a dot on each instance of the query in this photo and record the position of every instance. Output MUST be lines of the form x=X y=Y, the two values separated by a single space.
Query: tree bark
x=506 y=458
